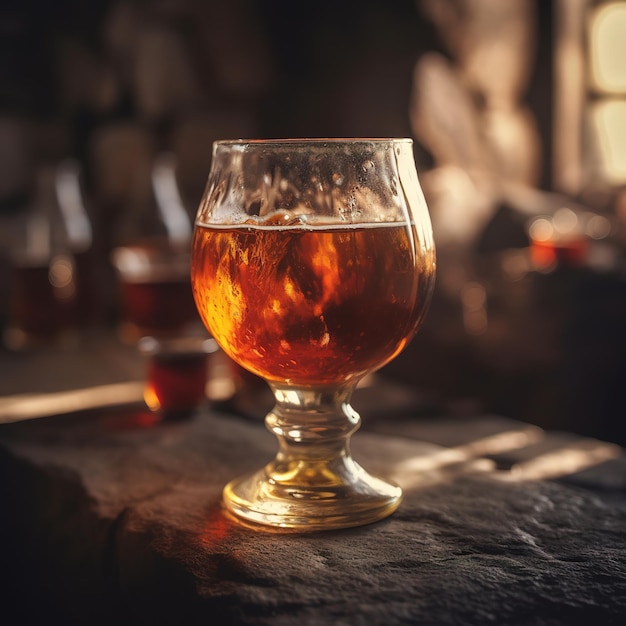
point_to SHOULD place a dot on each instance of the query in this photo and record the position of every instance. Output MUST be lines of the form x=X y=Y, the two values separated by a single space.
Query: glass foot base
x=265 y=499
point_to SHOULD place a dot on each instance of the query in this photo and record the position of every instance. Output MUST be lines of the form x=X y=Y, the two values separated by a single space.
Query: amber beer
x=310 y=305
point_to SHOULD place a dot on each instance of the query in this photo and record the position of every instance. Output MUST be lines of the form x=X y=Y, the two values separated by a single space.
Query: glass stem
x=313 y=427
x=313 y=483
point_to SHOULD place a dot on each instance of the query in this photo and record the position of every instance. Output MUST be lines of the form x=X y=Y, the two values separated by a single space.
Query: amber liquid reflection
x=307 y=305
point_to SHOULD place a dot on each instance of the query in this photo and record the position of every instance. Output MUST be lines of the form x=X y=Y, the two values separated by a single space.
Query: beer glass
x=313 y=264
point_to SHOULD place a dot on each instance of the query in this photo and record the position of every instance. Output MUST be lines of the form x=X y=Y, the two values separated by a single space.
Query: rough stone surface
x=109 y=519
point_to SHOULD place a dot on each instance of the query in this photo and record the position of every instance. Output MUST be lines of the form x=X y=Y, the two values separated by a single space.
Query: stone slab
x=115 y=518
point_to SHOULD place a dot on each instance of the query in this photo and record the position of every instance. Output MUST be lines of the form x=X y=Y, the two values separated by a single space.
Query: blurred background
x=108 y=109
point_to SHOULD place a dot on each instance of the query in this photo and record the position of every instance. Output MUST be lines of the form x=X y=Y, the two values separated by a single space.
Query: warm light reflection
x=429 y=469
x=607 y=36
x=216 y=528
x=504 y=442
x=559 y=239
x=418 y=470
x=565 y=221
x=221 y=388
x=28 y=406
x=564 y=461
x=151 y=398
x=608 y=119
x=61 y=277
x=541 y=229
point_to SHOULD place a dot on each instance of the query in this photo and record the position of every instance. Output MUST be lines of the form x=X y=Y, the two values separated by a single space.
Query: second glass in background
x=152 y=261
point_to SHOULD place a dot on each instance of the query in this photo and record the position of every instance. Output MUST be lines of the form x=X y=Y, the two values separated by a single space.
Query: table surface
x=113 y=515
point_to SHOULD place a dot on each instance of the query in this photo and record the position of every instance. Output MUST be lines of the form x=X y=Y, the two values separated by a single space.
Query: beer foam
x=284 y=222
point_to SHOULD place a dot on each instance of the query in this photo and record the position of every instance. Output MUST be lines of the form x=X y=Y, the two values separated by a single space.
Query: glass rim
x=312 y=140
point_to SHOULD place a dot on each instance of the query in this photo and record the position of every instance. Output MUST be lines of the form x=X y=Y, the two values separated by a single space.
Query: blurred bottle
x=80 y=239
x=152 y=260
x=51 y=286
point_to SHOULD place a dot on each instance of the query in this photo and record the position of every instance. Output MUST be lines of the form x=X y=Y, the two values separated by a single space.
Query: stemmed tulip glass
x=313 y=264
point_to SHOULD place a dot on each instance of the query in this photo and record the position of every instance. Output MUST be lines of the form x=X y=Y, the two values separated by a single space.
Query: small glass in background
x=155 y=290
x=177 y=374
